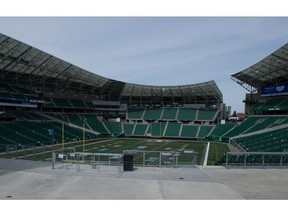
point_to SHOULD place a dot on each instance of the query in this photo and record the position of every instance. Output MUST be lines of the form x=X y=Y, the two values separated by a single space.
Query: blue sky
x=157 y=50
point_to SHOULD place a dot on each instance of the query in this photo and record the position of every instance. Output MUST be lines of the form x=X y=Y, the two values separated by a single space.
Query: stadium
x=60 y=120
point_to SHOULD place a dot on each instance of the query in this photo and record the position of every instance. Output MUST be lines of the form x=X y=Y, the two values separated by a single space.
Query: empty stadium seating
x=173 y=129
x=189 y=131
x=62 y=102
x=169 y=114
x=186 y=114
x=204 y=131
x=94 y=124
x=272 y=141
x=135 y=113
x=35 y=133
x=140 y=129
x=152 y=114
x=220 y=129
x=206 y=115
x=77 y=103
x=256 y=123
x=272 y=104
x=114 y=128
x=14 y=92
x=128 y=129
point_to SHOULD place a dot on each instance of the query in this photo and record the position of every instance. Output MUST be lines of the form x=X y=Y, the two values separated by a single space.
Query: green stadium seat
x=152 y=114
x=140 y=129
x=62 y=102
x=128 y=129
x=169 y=114
x=114 y=127
x=204 y=130
x=186 y=114
x=135 y=113
x=189 y=131
x=77 y=103
x=173 y=129
x=206 y=115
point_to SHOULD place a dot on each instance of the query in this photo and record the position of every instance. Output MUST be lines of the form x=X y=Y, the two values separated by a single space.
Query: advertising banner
x=274 y=90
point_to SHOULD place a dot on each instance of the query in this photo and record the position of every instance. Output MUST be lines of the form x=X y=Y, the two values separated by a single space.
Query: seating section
x=35 y=133
x=189 y=131
x=204 y=130
x=169 y=113
x=172 y=114
x=74 y=118
x=25 y=116
x=62 y=102
x=57 y=116
x=89 y=104
x=128 y=129
x=266 y=123
x=140 y=129
x=135 y=113
x=272 y=104
x=157 y=129
x=152 y=114
x=187 y=114
x=220 y=129
x=256 y=123
x=48 y=102
x=21 y=127
x=93 y=122
x=206 y=115
x=173 y=129
x=77 y=103
x=114 y=127
x=14 y=92
x=273 y=141
x=68 y=103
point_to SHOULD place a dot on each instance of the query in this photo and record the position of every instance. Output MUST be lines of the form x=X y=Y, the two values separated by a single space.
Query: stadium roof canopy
x=29 y=67
x=269 y=71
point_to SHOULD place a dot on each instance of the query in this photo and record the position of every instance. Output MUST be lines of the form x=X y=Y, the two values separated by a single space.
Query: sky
x=157 y=50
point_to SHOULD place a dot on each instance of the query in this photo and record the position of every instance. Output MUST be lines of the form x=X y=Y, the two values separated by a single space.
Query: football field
x=154 y=150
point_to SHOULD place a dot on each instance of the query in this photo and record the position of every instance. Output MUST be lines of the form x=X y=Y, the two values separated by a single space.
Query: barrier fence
x=255 y=159
x=29 y=152
x=68 y=157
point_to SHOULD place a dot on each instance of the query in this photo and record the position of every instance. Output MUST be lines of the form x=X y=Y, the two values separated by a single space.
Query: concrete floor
x=26 y=180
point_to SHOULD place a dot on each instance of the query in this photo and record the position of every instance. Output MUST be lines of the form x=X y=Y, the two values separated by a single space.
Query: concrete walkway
x=21 y=179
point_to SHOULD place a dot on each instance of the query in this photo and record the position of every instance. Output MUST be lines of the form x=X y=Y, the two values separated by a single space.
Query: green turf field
x=216 y=152
x=119 y=145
